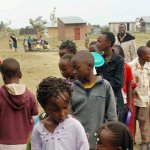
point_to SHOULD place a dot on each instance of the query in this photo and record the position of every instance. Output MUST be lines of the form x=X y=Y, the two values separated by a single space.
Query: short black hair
x=52 y=87
x=148 y=43
x=10 y=68
x=84 y=56
x=69 y=45
x=122 y=24
x=121 y=52
x=141 y=51
x=110 y=37
x=122 y=135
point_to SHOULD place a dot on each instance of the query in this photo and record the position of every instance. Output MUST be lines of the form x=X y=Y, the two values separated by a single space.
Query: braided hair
x=122 y=136
x=69 y=45
x=52 y=87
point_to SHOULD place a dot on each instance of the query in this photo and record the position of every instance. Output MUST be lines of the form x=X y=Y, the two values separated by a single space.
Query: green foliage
x=105 y=28
x=4 y=25
x=38 y=24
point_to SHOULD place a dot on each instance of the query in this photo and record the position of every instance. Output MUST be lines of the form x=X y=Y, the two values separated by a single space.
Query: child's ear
x=20 y=75
x=90 y=65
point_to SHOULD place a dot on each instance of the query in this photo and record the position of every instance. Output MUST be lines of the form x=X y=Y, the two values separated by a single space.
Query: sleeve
x=133 y=51
x=110 y=109
x=81 y=138
x=129 y=73
x=118 y=79
x=36 y=141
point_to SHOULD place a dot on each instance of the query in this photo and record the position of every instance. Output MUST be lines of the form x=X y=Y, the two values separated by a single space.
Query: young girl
x=58 y=131
x=66 y=69
x=114 y=136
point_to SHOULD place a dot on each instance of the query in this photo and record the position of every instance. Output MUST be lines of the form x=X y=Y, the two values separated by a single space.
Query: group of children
x=81 y=111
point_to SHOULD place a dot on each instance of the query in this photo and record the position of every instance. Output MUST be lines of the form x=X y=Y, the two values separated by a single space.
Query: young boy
x=113 y=69
x=141 y=72
x=17 y=106
x=93 y=100
x=67 y=47
x=58 y=130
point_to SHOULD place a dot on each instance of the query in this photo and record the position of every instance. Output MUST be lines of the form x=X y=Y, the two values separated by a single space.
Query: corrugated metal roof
x=49 y=25
x=72 y=20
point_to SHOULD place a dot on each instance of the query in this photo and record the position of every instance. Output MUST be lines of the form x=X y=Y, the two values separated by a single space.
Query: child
x=114 y=136
x=113 y=69
x=67 y=47
x=17 y=106
x=66 y=69
x=92 y=47
x=58 y=131
x=127 y=91
x=141 y=72
x=93 y=100
x=148 y=43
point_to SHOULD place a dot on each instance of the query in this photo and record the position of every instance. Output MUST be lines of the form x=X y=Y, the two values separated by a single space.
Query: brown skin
x=122 y=30
x=83 y=70
x=104 y=45
x=57 y=111
x=7 y=80
x=106 y=141
x=64 y=51
x=66 y=69
x=145 y=57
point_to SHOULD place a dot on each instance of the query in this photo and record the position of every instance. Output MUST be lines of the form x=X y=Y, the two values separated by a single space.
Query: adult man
x=127 y=42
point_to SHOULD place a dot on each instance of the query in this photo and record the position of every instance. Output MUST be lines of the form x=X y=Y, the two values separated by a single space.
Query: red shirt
x=128 y=77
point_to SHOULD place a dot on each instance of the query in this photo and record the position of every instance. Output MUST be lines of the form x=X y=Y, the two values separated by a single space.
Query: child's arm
x=36 y=142
x=81 y=138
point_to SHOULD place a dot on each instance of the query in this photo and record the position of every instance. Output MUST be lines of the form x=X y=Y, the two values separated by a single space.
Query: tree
x=4 y=25
x=38 y=24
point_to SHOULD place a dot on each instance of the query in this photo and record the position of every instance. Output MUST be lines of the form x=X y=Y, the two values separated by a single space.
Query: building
x=143 y=24
x=113 y=26
x=51 y=31
x=72 y=28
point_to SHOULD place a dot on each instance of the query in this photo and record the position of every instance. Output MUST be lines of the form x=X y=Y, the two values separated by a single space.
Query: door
x=77 y=33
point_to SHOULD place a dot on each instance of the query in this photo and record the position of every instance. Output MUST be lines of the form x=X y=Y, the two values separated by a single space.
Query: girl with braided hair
x=58 y=130
x=114 y=136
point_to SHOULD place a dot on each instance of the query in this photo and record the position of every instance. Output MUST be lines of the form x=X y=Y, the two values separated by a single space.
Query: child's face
x=81 y=70
x=66 y=69
x=63 y=51
x=146 y=56
x=102 y=43
x=93 y=48
x=105 y=141
x=58 y=108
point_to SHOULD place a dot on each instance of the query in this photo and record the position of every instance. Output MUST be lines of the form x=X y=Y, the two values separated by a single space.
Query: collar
x=113 y=56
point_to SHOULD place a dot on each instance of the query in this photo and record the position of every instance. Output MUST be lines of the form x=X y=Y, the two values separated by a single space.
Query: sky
x=92 y=11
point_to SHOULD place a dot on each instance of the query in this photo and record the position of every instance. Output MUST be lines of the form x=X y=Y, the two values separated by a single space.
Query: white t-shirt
x=68 y=135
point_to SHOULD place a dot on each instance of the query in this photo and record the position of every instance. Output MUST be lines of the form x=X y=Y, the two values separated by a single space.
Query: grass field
x=38 y=65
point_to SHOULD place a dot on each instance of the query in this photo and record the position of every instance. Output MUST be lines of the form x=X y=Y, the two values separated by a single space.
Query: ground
x=38 y=65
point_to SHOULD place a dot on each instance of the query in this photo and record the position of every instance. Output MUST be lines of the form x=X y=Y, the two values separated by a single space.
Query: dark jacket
x=113 y=71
